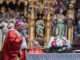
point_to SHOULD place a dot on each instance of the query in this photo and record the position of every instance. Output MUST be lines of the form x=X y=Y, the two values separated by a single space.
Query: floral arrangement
x=59 y=43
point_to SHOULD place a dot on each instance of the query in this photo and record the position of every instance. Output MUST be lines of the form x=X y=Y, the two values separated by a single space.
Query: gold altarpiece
x=32 y=22
x=48 y=19
x=48 y=24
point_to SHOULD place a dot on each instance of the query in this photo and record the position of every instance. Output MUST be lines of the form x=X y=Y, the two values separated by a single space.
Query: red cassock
x=32 y=51
x=12 y=46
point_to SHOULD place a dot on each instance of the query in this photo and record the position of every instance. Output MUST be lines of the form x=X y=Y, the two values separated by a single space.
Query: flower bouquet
x=58 y=43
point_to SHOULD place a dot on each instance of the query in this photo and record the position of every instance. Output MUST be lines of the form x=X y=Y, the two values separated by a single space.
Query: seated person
x=35 y=48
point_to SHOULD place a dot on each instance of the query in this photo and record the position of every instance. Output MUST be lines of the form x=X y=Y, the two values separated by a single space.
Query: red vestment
x=12 y=46
x=32 y=51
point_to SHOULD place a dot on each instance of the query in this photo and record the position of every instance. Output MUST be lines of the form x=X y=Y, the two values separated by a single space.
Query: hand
x=19 y=55
x=27 y=36
x=20 y=52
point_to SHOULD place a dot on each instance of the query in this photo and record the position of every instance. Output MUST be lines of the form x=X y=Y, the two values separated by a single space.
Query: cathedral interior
x=47 y=18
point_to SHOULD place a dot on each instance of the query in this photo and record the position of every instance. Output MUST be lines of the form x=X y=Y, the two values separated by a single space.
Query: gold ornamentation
x=31 y=28
x=71 y=19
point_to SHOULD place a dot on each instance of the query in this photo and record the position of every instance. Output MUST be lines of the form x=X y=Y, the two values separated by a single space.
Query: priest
x=14 y=44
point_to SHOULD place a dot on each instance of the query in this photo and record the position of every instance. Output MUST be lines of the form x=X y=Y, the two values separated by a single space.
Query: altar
x=54 y=56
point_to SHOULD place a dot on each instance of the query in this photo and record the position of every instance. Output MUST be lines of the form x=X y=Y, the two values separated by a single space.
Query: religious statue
x=59 y=41
x=71 y=12
x=35 y=9
x=40 y=29
x=45 y=12
x=60 y=25
x=71 y=19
